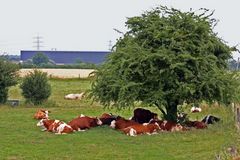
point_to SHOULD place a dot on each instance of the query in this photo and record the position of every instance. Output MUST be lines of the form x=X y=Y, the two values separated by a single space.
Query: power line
x=38 y=42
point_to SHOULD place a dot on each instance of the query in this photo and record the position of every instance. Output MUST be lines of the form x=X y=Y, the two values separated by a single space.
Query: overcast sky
x=88 y=25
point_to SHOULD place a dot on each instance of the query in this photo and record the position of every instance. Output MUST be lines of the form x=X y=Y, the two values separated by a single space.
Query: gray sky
x=88 y=25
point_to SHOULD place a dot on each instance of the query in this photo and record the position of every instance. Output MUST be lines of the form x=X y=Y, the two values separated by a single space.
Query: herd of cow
x=142 y=122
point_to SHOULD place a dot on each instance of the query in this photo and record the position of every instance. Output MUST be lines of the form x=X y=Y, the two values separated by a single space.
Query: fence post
x=238 y=117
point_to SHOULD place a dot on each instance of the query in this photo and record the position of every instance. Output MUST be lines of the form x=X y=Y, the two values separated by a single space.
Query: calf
x=121 y=123
x=209 y=119
x=143 y=115
x=55 y=126
x=145 y=128
x=85 y=122
x=41 y=114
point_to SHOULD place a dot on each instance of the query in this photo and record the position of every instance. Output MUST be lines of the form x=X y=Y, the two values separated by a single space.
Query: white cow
x=196 y=109
x=74 y=96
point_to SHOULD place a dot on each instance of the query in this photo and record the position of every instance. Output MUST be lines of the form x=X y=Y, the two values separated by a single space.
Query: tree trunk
x=3 y=95
x=171 y=109
x=171 y=113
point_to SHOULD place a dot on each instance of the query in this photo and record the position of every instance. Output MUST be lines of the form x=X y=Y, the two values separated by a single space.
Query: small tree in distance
x=167 y=57
x=39 y=59
x=35 y=87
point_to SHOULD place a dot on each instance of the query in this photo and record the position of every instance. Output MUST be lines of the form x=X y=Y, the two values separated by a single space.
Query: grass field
x=21 y=139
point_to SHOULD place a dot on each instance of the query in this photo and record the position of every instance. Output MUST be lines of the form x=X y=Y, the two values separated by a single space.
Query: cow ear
x=42 y=110
x=49 y=111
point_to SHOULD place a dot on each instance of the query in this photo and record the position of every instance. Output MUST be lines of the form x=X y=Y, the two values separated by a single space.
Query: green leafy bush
x=35 y=87
x=8 y=77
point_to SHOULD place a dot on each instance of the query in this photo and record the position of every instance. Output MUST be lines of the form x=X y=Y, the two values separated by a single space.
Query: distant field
x=21 y=139
x=62 y=73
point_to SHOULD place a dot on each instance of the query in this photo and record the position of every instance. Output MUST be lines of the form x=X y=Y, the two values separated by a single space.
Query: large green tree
x=8 y=77
x=166 y=57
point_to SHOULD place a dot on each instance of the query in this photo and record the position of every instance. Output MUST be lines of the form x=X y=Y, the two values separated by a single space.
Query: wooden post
x=238 y=115
x=237 y=112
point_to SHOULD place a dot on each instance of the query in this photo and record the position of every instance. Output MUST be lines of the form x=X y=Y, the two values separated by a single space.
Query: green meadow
x=21 y=139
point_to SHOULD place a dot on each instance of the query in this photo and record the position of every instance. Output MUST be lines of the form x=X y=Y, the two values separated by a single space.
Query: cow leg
x=44 y=129
x=132 y=132
x=81 y=130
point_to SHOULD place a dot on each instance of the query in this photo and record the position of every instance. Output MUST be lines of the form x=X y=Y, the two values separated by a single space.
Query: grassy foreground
x=21 y=139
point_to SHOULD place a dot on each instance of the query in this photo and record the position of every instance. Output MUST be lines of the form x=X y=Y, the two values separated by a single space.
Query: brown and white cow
x=84 y=122
x=45 y=124
x=107 y=118
x=169 y=125
x=41 y=114
x=146 y=128
x=55 y=126
x=196 y=124
x=143 y=115
x=121 y=123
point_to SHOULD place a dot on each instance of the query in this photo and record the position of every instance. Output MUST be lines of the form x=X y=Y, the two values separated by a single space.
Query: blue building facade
x=68 y=57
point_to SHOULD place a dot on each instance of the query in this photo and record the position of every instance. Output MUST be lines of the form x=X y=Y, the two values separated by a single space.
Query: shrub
x=35 y=87
x=8 y=77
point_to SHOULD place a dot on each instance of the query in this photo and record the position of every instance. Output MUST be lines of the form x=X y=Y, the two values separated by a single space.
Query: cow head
x=41 y=114
x=113 y=124
x=96 y=122
x=41 y=124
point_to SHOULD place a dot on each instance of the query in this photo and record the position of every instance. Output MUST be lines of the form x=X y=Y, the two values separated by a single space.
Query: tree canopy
x=39 y=59
x=166 y=57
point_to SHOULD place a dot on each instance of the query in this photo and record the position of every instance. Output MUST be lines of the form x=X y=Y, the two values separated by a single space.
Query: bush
x=35 y=87
x=8 y=77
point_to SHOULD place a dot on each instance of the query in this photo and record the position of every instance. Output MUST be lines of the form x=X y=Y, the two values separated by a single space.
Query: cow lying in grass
x=84 y=122
x=168 y=125
x=74 y=96
x=121 y=123
x=210 y=119
x=55 y=126
x=41 y=114
x=132 y=128
x=146 y=128
x=141 y=115
x=107 y=118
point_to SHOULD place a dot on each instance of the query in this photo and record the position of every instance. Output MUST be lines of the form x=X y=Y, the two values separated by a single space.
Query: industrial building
x=68 y=57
